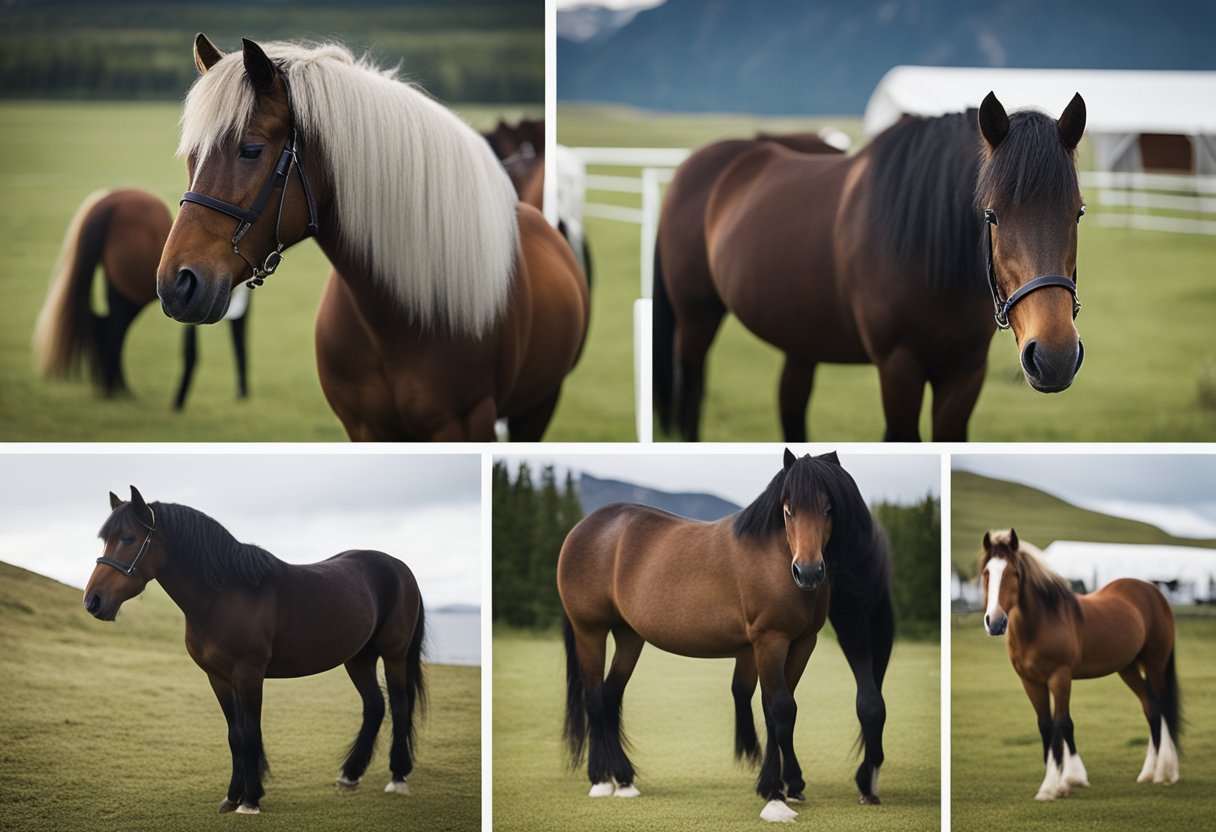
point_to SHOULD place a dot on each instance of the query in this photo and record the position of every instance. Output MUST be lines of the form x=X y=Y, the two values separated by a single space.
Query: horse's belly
x=707 y=637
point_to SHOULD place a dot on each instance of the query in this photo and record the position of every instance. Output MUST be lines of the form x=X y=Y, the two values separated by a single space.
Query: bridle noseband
x=1004 y=307
x=129 y=568
x=289 y=159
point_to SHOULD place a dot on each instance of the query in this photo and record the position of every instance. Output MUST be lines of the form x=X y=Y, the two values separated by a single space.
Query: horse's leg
x=1132 y=678
x=1070 y=771
x=795 y=663
x=780 y=711
x=397 y=671
x=240 y=354
x=591 y=647
x=189 y=360
x=954 y=397
x=1158 y=675
x=1040 y=699
x=530 y=425
x=247 y=685
x=742 y=686
x=797 y=379
x=866 y=642
x=902 y=378
x=227 y=699
x=362 y=671
x=113 y=331
x=628 y=647
x=694 y=334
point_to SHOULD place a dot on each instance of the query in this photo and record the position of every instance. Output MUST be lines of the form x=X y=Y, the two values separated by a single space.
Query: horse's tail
x=575 y=730
x=66 y=333
x=663 y=331
x=415 y=682
x=1170 y=701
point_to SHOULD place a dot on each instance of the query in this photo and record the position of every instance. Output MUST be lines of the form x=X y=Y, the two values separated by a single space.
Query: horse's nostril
x=1028 y=360
x=184 y=285
x=1080 y=355
x=94 y=604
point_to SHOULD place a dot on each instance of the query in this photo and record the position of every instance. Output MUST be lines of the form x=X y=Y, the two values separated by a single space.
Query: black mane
x=199 y=545
x=857 y=554
x=921 y=194
x=1030 y=167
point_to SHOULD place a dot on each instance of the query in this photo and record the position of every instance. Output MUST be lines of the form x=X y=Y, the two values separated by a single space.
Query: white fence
x=1153 y=201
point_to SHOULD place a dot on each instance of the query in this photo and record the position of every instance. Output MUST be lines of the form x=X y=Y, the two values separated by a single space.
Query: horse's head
x=132 y=556
x=807 y=506
x=249 y=196
x=999 y=571
x=1029 y=194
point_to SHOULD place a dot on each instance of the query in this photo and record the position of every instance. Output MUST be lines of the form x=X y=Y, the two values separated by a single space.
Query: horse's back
x=139 y=226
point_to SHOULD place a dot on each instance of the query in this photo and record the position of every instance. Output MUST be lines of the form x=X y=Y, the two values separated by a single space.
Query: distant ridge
x=595 y=492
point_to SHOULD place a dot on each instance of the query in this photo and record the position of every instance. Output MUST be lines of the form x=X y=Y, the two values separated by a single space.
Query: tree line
x=533 y=513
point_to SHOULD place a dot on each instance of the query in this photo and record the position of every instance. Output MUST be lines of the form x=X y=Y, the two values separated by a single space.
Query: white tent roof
x=1081 y=561
x=1116 y=100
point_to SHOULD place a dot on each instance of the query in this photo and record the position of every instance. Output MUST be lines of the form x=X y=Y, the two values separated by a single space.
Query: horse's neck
x=192 y=596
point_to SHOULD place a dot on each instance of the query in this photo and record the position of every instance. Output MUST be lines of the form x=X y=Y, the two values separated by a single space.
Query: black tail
x=575 y=730
x=663 y=331
x=1170 y=702
x=415 y=684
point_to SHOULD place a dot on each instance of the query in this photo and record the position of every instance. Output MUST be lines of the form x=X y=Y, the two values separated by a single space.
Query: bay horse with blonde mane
x=251 y=617
x=1055 y=636
x=450 y=305
x=123 y=231
x=755 y=587
x=879 y=258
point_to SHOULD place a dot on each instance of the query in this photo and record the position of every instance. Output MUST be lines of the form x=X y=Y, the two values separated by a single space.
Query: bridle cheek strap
x=1004 y=307
x=128 y=569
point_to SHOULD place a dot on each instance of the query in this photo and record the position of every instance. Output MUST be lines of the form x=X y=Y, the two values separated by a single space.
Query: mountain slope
x=595 y=492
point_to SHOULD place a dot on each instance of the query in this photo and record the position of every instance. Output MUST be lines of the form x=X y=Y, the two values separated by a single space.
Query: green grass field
x=52 y=155
x=996 y=758
x=1149 y=300
x=112 y=726
x=979 y=504
x=679 y=716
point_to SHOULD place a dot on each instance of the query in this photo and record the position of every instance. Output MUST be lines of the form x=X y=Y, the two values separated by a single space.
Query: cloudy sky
x=302 y=508
x=1175 y=492
x=897 y=478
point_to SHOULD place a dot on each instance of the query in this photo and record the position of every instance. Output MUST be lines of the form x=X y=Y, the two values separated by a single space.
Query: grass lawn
x=996 y=758
x=112 y=726
x=1150 y=361
x=679 y=715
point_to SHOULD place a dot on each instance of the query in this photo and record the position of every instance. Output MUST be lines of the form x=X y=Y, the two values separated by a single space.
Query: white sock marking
x=775 y=811
x=397 y=787
x=627 y=791
x=604 y=789
x=1050 y=789
x=248 y=810
x=1150 y=762
x=1166 y=771
x=1074 y=770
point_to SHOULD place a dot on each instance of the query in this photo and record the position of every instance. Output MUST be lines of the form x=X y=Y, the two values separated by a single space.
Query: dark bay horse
x=250 y=617
x=123 y=231
x=451 y=305
x=1055 y=636
x=879 y=258
x=521 y=149
x=755 y=587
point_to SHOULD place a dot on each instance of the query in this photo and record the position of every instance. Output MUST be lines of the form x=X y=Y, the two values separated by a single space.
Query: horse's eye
x=827 y=509
x=128 y=538
x=1081 y=213
x=251 y=151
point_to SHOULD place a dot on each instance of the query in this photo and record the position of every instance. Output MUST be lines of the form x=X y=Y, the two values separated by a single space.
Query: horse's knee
x=871 y=708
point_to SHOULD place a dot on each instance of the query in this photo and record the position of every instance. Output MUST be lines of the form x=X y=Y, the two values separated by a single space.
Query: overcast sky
x=1175 y=492
x=897 y=478
x=611 y=4
x=424 y=510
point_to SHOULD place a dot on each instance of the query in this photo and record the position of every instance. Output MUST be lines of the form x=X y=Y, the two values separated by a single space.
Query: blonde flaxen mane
x=419 y=195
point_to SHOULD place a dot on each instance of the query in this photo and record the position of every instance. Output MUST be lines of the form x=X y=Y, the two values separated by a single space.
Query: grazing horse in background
x=250 y=617
x=521 y=149
x=124 y=232
x=879 y=258
x=755 y=587
x=451 y=305
x=1055 y=636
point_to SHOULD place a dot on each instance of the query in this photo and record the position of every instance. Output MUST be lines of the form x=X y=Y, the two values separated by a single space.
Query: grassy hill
x=112 y=726
x=980 y=503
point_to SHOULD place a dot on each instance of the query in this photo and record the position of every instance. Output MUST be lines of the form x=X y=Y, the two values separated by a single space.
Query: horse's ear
x=1072 y=122
x=994 y=123
x=987 y=541
x=260 y=69
x=141 y=508
x=115 y=502
x=1013 y=539
x=206 y=55
x=831 y=457
x=789 y=458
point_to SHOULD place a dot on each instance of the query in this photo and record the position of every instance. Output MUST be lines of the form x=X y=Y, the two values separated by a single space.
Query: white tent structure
x=1187 y=574
x=1153 y=132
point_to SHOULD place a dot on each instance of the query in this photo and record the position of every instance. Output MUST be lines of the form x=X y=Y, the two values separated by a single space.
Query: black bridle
x=289 y=159
x=1003 y=307
x=129 y=568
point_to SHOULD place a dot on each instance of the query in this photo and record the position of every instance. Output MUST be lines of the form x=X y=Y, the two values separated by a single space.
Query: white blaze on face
x=995 y=569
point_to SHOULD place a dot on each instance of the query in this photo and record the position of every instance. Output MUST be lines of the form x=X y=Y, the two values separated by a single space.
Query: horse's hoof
x=604 y=789
x=627 y=790
x=797 y=797
x=1045 y=795
x=775 y=811
x=246 y=809
x=227 y=806
x=869 y=800
x=397 y=787
x=346 y=785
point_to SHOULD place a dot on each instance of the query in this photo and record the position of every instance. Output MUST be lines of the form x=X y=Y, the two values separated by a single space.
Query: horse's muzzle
x=1051 y=371
x=808 y=580
x=191 y=299
x=96 y=606
x=996 y=626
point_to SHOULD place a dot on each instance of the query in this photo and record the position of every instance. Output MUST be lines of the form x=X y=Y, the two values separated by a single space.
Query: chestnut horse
x=879 y=258
x=124 y=232
x=250 y=617
x=1055 y=636
x=755 y=587
x=449 y=306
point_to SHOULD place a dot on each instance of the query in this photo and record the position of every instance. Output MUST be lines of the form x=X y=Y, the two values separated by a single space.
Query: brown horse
x=450 y=304
x=250 y=617
x=878 y=258
x=123 y=231
x=755 y=587
x=1055 y=636
x=521 y=149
